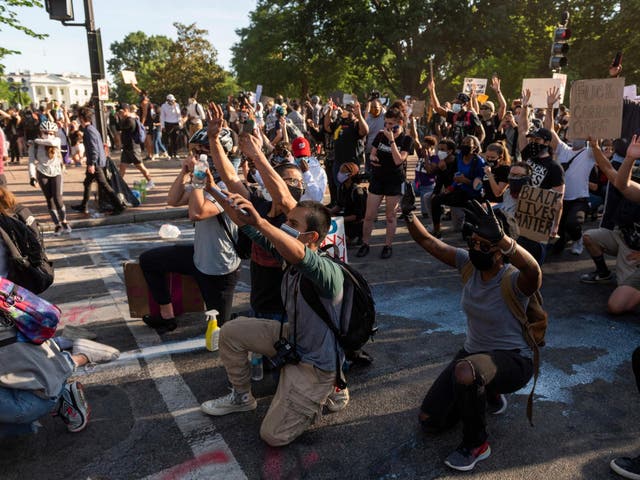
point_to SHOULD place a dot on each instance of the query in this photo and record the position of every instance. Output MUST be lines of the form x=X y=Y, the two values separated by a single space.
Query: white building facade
x=67 y=88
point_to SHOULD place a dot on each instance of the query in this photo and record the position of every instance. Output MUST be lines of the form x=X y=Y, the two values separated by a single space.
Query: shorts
x=611 y=241
x=385 y=187
x=131 y=157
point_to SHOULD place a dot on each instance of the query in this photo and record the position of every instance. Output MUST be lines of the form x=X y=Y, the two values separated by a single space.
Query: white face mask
x=442 y=155
x=456 y=107
x=342 y=177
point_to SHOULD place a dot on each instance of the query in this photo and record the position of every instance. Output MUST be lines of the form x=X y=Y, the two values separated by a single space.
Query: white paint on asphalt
x=197 y=430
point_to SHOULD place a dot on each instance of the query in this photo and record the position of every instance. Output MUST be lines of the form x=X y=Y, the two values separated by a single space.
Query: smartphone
x=248 y=126
x=617 y=60
x=224 y=196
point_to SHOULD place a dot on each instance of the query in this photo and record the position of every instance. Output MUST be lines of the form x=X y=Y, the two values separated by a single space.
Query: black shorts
x=132 y=157
x=386 y=187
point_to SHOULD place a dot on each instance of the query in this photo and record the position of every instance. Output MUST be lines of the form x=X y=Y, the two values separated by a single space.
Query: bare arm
x=603 y=162
x=200 y=208
x=434 y=99
x=363 y=128
x=523 y=120
x=177 y=195
x=530 y=278
x=502 y=108
x=437 y=248
x=628 y=187
x=553 y=95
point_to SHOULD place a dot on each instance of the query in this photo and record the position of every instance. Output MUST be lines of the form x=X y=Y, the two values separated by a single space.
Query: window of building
x=76 y=93
x=39 y=90
x=86 y=92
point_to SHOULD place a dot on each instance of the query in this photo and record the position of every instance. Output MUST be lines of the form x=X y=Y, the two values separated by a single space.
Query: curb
x=126 y=217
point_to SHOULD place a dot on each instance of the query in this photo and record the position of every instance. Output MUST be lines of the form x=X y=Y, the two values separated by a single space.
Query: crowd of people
x=277 y=173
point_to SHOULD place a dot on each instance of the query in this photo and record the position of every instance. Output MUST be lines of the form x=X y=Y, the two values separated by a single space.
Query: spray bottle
x=212 y=336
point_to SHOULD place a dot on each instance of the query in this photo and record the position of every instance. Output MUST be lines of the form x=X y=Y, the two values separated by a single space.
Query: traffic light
x=559 y=48
x=61 y=10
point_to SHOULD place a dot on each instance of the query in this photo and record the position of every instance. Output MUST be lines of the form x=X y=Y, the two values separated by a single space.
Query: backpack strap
x=312 y=298
x=566 y=166
x=518 y=311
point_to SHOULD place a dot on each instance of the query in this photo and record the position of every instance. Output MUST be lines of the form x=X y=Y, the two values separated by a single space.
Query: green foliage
x=182 y=67
x=9 y=18
x=294 y=47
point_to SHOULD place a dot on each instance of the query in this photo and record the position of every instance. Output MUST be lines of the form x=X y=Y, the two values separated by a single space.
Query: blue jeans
x=424 y=192
x=158 y=146
x=19 y=410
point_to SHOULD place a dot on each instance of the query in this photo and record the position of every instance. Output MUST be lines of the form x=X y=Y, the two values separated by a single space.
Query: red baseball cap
x=300 y=147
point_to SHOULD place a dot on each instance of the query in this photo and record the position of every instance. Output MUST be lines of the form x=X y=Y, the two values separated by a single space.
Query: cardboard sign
x=258 y=93
x=347 y=98
x=103 y=89
x=417 y=109
x=563 y=78
x=536 y=212
x=129 y=77
x=185 y=294
x=337 y=237
x=539 y=88
x=596 y=108
x=480 y=85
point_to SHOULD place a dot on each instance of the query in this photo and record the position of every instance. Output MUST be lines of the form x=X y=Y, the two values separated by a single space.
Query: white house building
x=70 y=88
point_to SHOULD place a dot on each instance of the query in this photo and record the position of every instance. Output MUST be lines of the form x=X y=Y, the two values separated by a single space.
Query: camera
x=285 y=353
x=373 y=95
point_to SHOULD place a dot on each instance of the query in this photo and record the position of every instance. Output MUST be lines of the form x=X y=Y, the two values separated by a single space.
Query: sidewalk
x=163 y=172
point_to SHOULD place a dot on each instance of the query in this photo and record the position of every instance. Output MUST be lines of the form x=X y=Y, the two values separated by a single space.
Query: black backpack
x=358 y=325
x=29 y=266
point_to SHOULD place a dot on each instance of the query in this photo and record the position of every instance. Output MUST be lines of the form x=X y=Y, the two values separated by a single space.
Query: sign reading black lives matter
x=536 y=212
x=596 y=108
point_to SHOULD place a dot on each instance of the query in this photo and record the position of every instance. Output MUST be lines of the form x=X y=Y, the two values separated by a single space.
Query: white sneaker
x=150 y=185
x=337 y=400
x=234 y=402
x=577 y=247
x=94 y=351
x=66 y=228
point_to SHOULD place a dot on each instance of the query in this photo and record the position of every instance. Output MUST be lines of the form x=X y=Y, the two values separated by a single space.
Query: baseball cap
x=542 y=133
x=171 y=98
x=300 y=147
x=463 y=97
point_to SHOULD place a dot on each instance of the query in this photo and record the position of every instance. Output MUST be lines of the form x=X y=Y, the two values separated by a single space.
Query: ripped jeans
x=448 y=400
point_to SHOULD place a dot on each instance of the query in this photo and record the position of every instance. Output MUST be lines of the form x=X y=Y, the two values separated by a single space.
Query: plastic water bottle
x=200 y=172
x=257 y=371
x=143 y=189
x=168 y=231
x=212 y=336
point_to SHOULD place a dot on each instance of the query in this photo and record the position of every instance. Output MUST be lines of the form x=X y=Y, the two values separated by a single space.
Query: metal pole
x=96 y=63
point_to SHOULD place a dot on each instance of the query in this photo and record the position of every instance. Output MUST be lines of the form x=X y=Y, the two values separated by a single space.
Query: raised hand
x=215 y=117
x=553 y=96
x=483 y=221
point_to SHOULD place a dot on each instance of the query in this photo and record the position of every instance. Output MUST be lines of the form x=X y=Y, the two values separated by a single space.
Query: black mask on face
x=537 y=149
x=296 y=192
x=465 y=150
x=516 y=184
x=480 y=260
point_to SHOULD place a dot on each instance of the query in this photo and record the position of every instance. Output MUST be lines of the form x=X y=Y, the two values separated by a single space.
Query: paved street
x=145 y=417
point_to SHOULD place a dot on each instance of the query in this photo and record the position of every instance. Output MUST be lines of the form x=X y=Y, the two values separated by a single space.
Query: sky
x=65 y=50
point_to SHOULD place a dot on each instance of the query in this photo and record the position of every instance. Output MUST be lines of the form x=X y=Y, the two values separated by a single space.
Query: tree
x=9 y=18
x=142 y=54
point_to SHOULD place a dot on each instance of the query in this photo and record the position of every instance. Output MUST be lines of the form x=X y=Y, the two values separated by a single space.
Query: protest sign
x=258 y=93
x=418 y=108
x=539 y=88
x=129 y=77
x=596 y=108
x=480 y=85
x=536 y=212
x=347 y=98
x=337 y=237
x=563 y=77
x=630 y=92
x=103 y=89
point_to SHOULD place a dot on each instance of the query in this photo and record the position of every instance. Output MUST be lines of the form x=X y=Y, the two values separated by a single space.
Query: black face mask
x=516 y=184
x=480 y=260
x=537 y=149
x=465 y=150
x=296 y=192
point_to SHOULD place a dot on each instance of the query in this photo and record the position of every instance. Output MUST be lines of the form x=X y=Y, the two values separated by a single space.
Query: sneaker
x=234 y=402
x=66 y=227
x=337 y=400
x=626 y=467
x=74 y=409
x=386 y=252
x=497 y=404
x=363 y=251
x=577 y=248
x=80 y=208
x=161 y=325
x=58 y=230
x=596 y=277
x=150 y=185
x=464 y=459
x=94 y=351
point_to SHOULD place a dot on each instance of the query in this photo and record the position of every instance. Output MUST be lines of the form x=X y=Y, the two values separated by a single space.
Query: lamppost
x=62 y=10
x=18 y=87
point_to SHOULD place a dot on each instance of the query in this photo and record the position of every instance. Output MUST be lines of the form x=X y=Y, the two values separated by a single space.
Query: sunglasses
x=483 y=246
x=294 y=182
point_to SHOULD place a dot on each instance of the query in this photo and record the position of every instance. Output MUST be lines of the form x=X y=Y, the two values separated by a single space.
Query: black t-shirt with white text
x=388 y=170
x=547 y=173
